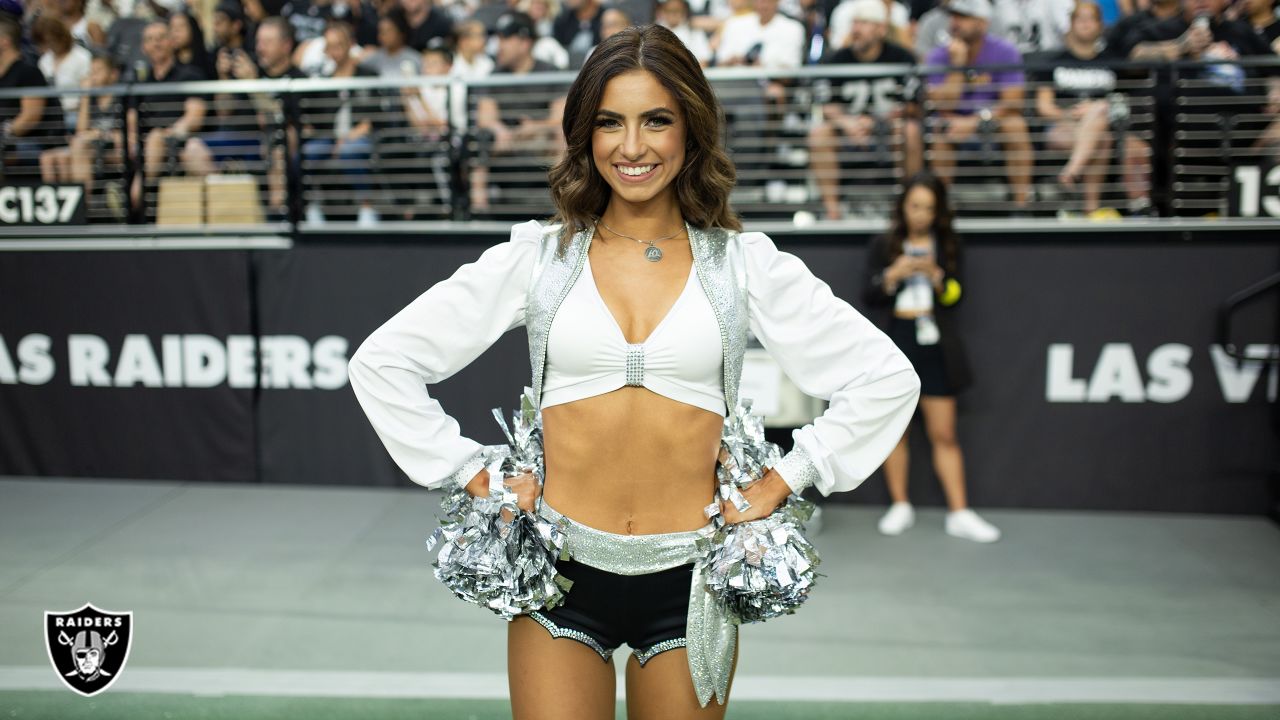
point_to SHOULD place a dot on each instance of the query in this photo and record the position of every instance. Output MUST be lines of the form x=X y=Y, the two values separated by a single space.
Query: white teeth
x=635 y=170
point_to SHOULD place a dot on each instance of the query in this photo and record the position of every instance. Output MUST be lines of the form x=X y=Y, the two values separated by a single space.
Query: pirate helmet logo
x=88 y=647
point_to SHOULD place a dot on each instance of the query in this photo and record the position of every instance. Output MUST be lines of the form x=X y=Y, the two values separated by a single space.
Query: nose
x=632 y=144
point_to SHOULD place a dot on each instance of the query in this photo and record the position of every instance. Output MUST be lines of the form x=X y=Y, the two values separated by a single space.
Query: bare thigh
x=663 y=689
x=556 y=678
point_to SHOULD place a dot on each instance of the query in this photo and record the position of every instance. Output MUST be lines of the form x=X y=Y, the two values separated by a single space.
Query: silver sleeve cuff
x=463 y=475
x=797 y=470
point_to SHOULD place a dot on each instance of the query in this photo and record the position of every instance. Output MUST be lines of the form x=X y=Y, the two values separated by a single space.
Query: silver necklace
x=651 y=253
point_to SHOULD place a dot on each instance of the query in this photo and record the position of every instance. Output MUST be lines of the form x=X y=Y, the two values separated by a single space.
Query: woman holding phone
x=916 y=269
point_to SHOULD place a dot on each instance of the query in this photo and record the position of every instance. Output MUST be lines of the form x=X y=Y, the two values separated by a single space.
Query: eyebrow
x=645 y=114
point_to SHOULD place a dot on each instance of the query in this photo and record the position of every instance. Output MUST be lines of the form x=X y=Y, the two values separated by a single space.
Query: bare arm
x=29 y=116
x=1046 y=105
x=1012 y=100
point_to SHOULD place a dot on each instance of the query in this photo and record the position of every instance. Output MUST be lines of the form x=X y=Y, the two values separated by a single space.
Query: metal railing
x=834 y=140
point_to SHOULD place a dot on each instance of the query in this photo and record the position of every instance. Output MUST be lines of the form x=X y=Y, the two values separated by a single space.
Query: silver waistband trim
x=710 y=638
x=627 y=554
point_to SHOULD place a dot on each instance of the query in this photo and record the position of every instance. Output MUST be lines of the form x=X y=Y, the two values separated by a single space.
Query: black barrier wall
x=1098 y=383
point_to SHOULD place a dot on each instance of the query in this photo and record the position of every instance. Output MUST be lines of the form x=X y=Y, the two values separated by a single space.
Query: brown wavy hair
x=703 y=185
x=943 y=232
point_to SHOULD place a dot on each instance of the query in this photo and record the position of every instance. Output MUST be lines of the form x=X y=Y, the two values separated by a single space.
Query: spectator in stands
x=469 y=59
x=310 y=17
x=674 y=15
x=83 y=30
x=526 y=117
x=25 y=123
x=897 y=27
x=861 y=113
x=1264 y=17
x=1074 y=94
x=1032 y=25
x=613 y=21
x=1183 y=37
x=63 y=63
x=261 y=117
x=917 y=268
x=188 y=44
x=1154 y=11
x=393 y=57
x=765 y=38
x=431 y=107
x=230 y=31
x=544 y=13
x=577 y=28
x=164 y=124
x=99 y=137
x=971 y=103
x=931 y=29
x=340 y=125
x=426 y=21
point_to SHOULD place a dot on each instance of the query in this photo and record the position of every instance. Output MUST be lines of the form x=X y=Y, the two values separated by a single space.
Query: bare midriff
x=631 y=461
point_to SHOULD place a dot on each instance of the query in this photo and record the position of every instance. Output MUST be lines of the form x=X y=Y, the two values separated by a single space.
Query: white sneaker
x=315 y=216
x=367 y=217
x=899 y=519
x=968 y=525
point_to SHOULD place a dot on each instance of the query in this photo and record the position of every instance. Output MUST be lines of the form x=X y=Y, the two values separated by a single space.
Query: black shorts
x=928 y=360
x=603 y=610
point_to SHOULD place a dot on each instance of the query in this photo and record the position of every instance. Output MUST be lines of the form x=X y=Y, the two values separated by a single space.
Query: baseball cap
x=515 y=24
x=232 y=10
x=973 y=8
x=869 y=11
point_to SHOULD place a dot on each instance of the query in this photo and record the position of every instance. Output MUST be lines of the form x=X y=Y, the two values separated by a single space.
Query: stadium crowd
x=1052 y=90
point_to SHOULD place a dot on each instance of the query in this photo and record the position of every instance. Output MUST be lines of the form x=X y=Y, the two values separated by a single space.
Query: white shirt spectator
x=466 y=69
x=68 y=73
x=551 y=52
x=1032 y=25
x=842 y=22
x=781 y=40
x=695 y=40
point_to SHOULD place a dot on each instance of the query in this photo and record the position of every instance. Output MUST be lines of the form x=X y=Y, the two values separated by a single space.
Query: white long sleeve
x=831 y=352
x=433 y=337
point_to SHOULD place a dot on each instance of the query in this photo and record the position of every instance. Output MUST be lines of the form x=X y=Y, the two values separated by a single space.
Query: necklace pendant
x=653 y=253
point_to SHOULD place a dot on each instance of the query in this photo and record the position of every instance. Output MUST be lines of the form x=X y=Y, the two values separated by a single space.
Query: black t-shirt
x=1074 y=78
x=164 y=109
x=517 y=102
x=1223 y=78
x=437 y=25
x=577 y=36
x=24 y=74
x=1270 y=32
x=307 y=18
x=1239 y=35
x=320 y=109
x=292 y=102
x=862 y=95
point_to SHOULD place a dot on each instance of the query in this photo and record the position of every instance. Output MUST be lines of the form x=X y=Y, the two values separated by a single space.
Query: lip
x=617 y=170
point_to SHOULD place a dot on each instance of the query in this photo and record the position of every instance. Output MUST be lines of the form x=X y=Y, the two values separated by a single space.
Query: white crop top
x=588 y=355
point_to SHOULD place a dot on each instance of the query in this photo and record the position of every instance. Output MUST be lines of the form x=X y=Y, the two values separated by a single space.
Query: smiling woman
x=638 y=299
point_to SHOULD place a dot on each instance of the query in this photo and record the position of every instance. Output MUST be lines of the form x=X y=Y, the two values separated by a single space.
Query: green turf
x=31 y=705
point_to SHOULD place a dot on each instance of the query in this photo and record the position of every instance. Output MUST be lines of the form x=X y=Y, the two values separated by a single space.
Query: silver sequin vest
x=717 y=259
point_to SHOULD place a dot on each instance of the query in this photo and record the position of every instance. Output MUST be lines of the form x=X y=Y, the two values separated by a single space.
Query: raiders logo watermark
x=88 y=647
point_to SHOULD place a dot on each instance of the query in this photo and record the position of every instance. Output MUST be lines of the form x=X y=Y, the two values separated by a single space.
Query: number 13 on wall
x=1253 y=193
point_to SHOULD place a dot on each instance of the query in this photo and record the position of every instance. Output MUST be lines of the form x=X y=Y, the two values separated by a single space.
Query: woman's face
x=638 y=140
x=389 y=35
x=919 y=208
x=179 y=31
x=1086 y=25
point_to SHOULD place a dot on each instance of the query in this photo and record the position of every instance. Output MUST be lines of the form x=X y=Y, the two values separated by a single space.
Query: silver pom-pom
x=506 y=565
x=762 y=568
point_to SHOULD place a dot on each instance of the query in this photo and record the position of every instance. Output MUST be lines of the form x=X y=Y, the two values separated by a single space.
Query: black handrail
x=1233 y=303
